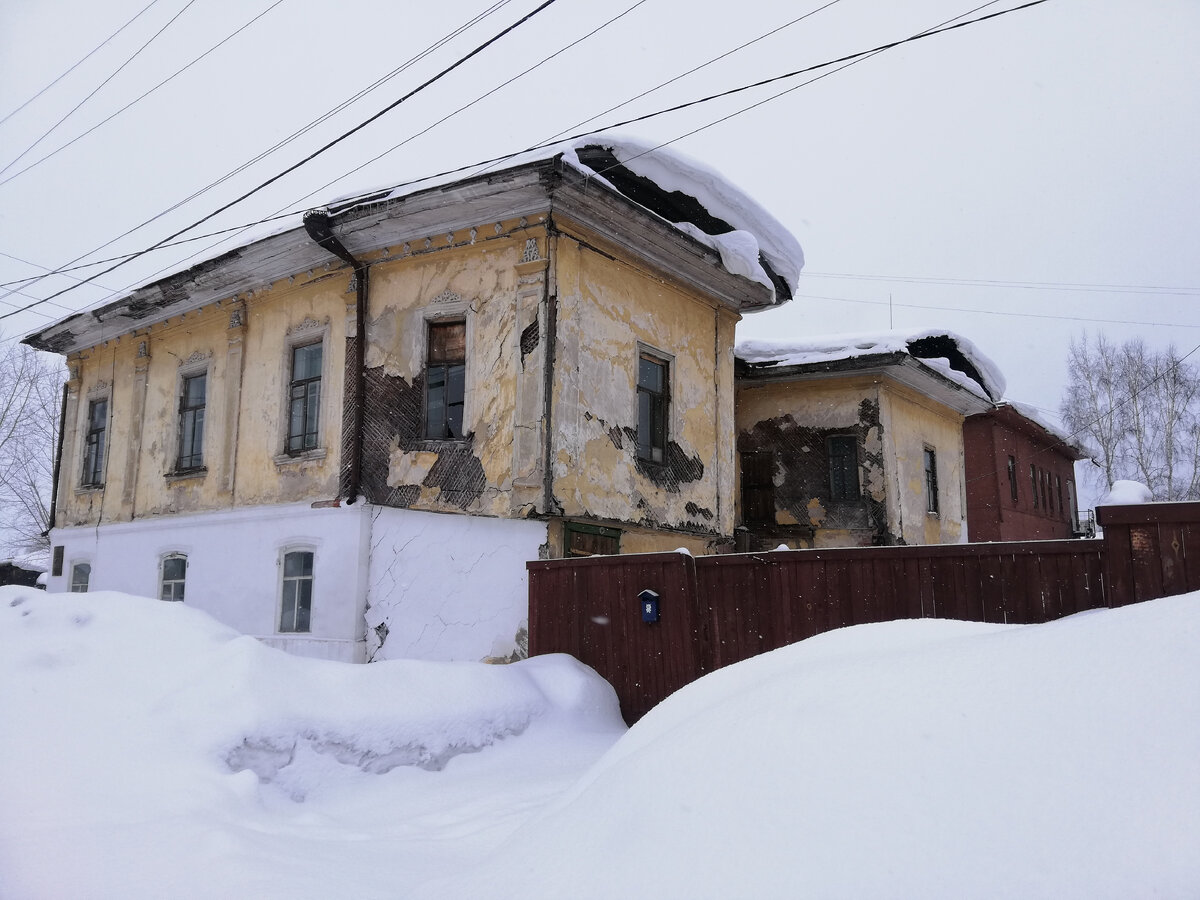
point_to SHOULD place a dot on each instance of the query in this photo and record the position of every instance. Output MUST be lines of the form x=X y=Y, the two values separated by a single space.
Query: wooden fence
x=717 y=610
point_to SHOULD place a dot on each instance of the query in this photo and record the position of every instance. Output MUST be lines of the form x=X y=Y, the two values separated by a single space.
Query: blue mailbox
x=649 y=601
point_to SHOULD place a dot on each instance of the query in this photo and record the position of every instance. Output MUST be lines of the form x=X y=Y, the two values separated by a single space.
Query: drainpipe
x=319 y=225
x=62 y=425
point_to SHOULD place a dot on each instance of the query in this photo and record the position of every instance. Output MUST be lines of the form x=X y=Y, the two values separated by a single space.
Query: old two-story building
x=1020 y=477
x=857 y=440
x=347 y=437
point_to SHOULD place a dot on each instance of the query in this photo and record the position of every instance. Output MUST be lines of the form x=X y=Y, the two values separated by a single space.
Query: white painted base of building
x=387 y=583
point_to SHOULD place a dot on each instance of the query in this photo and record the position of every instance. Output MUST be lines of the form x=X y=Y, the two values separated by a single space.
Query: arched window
x=297 y=586
x=81 y=574
x=173 y=576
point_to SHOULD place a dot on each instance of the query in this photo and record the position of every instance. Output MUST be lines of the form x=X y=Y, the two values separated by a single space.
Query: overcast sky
x=1016 y=181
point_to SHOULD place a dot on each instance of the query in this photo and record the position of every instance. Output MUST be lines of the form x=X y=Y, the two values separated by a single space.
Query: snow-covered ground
x=146 y=751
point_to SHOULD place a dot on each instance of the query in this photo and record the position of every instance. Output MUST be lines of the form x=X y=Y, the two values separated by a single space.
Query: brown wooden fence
x=717 y=610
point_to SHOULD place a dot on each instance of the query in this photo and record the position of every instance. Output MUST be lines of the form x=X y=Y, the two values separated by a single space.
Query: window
x=758 y=487
x=931 y=482
x=445 y=380
x=1049 y=491
x=1042 y=481
x=590 y=540
x=1012 y=478
x=1033 y=482
x=81 y=574
x=174 y=573
x=843 y=467
x=297 y=591
x=191 y=423
x=56 y=566
x=653 y=399
x=304 y=403
x=93 y=448
x=1062 y=510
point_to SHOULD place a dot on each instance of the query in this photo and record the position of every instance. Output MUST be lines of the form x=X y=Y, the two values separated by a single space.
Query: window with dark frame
x=174 y=575
x=191 y=423
x=653 y=396
x=758 y=487
x=1033 y=482
x=1062 y=510
x=580 y=539
x=93 y=452
x=304 y=398
x=1012 y=478
x=1042 y=483
x=1049 y=492
x=297 y=592
x=445 y=380
x=931 y=481
x=81 y=576
x=843 y=467
x=56 y=567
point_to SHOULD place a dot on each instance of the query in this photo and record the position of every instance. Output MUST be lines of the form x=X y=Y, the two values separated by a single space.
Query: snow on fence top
x=950 y=355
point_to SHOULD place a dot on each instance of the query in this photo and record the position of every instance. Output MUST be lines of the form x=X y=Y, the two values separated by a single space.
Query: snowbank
x=834 y=347
x=1123 y=493
x=929 y=759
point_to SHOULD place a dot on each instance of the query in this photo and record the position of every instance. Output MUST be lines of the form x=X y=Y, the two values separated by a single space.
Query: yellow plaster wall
x=911 y=423
x=607 y=312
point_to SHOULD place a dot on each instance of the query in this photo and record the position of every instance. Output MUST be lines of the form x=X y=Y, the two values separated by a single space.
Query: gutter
x=319 y=225
x=62 y=425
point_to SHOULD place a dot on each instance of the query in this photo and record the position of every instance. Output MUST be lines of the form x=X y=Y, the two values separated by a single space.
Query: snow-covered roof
x=691 y=198
x=948 y=354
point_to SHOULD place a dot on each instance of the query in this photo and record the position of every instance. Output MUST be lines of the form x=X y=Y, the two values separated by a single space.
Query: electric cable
x=139 y=98
x=97 y=89
x=80 y=62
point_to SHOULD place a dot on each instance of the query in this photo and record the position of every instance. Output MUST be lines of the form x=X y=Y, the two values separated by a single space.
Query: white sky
x=1054 y=145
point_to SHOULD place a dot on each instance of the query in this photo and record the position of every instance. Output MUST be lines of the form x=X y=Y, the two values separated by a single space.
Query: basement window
x=653 y=396
x=173 y=576
x=296 y=591
x=445 y=380
x=81 y=576
x=590 y=540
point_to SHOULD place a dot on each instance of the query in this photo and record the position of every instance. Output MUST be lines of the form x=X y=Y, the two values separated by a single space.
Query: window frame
x=597 y=531
x=929 y=462
x=850 y=493
x=298 y=580
x=1033 y=481
x=444 y=432
x=659 y=402
x=95 y=444
x=194 y=462
x=73 y=583
x=181 y=582
x=1013 y=491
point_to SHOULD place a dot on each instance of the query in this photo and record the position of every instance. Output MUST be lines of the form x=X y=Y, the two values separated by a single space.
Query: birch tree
x=30 y=391
x=1137 y=412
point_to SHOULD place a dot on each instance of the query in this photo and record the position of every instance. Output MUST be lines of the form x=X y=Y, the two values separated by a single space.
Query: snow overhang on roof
x=938 y=363
x=675 y=213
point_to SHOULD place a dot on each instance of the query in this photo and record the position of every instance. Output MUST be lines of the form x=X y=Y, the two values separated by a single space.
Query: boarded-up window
x=445 y=380
x=843 y=467
x=758 y=488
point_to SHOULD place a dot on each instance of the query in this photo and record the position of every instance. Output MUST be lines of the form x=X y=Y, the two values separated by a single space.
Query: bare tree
x=30 y=396
x=1137 y=411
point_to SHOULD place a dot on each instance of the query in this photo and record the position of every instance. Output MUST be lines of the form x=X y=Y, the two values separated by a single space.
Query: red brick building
x=1020 y=478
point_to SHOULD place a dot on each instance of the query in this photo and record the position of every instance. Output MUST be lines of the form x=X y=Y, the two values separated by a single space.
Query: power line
x=98 y=87
x=1031 y=285
x=462 y=60
x=85 y=58
x=139 y=98
x=996 y=312
x=642 y=118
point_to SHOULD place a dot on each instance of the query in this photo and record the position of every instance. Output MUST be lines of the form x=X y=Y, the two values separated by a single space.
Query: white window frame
x=162 y=566
x=76 y=563
x=280 y=563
